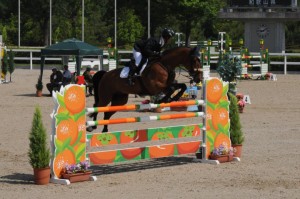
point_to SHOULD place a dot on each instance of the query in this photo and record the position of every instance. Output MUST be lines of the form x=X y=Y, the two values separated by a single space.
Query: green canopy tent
x=70 y=47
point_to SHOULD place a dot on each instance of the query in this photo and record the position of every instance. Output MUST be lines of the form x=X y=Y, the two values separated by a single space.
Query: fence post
x=285 y=63
x=30 y=60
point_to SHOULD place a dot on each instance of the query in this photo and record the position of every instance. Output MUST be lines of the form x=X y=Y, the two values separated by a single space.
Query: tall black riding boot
x=131 y=75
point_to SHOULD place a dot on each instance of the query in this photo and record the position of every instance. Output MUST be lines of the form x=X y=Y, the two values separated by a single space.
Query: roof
x=71 y=47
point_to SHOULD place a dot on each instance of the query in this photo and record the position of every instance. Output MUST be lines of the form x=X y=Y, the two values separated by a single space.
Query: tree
x=129 y=27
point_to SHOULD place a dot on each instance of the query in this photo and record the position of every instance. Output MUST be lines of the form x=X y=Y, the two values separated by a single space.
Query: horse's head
x=195 y=67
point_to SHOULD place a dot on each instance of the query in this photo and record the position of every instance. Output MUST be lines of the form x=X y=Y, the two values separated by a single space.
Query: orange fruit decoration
x=65 y=129
x=75 y=99
x=130 y=137
x=105 y=156
x=165 y=150
x=64 y=158
x=222 y=139
x=214 y=90
x=220 y=116
x=190 y=147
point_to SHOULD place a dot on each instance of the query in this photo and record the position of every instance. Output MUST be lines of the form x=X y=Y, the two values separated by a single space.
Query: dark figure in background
x=88 y=78
x=56 y=79
x=145 y=49
x=67 y=76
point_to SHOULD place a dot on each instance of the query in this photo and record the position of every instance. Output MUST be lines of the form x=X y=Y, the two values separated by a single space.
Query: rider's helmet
x=167 y=33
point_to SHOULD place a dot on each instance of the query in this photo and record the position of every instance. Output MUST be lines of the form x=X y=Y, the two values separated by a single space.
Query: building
x=263 y=19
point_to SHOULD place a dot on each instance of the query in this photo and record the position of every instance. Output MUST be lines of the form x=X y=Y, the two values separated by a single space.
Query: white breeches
x=137 y=57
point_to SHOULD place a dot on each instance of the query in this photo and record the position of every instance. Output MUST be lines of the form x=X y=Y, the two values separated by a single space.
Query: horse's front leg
x=182 y=89
x=168 y=93
x=94 y=116
x=107 y=116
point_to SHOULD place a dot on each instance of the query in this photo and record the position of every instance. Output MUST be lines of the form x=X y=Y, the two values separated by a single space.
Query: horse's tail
x=96 y=79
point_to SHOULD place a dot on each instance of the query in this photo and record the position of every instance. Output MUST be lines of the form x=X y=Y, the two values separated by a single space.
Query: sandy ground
x=270 y=166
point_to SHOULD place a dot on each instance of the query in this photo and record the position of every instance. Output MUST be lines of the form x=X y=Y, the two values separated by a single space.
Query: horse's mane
x=165 y=52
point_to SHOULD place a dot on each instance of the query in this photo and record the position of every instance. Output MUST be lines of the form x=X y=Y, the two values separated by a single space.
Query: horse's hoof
x=90 y=129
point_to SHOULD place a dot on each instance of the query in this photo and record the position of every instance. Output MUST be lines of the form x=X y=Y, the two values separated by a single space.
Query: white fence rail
x=30 y=57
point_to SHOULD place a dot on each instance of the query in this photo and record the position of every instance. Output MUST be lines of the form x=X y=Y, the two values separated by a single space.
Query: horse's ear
x=196 y=51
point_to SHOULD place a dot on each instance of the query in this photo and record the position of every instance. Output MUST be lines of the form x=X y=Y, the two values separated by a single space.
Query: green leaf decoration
x=211 y=105
x=164 y=135
x=224 y=104
x=131 y=134
x=80 y=151
x=188 y=131
x=66 y=143
x=71 y=149
x=105 y=138
x=210 y=123
x=225 y=89
x=210 y=136
x=78 y=138
x=61 y=100
x=220 y=128
x=62 y=116
x=78 y=115
x=59 y=146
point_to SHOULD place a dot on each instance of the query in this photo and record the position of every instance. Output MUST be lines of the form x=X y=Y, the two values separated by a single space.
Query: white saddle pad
x=125 y=71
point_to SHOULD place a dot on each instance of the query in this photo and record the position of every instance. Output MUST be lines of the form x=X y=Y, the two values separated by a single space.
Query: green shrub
x=39 y=153
x=236 y=133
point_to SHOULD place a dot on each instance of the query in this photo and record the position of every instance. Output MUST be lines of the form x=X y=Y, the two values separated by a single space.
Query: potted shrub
x=229 y=68
x=39 y=153
x=39 y=87
x=236 y=133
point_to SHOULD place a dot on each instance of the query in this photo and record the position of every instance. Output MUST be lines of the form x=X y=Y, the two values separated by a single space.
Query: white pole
x=19 y=13
x=148 y=18
x=50 y=28
x=82 y=21
x=115 y=23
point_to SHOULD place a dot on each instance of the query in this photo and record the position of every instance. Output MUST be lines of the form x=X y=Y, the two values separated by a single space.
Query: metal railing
x=32 y=58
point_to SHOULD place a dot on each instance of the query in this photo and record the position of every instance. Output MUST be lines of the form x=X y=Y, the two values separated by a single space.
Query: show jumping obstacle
x=263 y=62
x=70 y=144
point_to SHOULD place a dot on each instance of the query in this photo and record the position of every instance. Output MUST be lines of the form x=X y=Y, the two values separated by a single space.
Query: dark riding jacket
x=149 y=48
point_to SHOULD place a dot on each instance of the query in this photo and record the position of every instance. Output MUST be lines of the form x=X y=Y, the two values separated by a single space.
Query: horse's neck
x=174 y=60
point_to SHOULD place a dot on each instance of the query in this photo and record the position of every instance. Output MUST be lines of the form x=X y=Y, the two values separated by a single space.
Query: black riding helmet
x=167 y=33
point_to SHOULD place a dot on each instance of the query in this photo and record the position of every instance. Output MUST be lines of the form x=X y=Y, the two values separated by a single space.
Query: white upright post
x=222 y=41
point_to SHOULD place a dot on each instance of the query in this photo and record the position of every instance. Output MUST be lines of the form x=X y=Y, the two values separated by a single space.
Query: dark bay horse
x=156 y=78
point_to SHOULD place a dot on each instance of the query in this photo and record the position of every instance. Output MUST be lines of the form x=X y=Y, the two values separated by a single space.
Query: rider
x=144 y=49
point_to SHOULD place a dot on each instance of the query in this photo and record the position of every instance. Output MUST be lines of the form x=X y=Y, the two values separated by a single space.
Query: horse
x=157 y=77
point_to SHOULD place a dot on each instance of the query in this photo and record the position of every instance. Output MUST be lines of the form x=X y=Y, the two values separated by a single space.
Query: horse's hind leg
x=117 y=100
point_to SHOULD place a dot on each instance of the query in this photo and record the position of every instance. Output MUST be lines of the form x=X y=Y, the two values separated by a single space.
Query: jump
x=156 y=78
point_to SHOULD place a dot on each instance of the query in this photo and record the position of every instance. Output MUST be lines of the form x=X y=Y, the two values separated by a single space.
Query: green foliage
x=236 y=133
x=39 y=153
x=4 y=34
x=4 y=63
x=229 y=67
x=39 y=85
x=196 y=19
x=129 y=27
x=11 y=65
